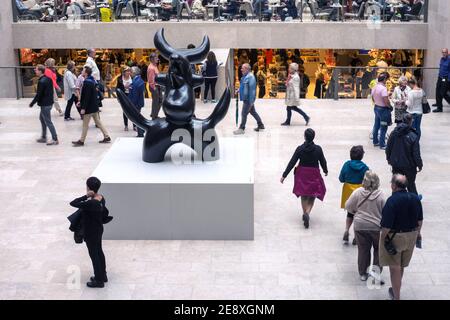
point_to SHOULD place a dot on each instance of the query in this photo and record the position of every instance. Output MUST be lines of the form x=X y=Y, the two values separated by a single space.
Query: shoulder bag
x=425 y=105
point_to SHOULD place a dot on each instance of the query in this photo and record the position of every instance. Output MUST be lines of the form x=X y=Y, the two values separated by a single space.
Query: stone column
x=8 y=56
x=438 y=38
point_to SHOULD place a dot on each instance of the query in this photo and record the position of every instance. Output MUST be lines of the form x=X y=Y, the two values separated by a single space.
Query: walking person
x=247 y=94
x=44 y=99
x=155 y=90
x=382 y=109
x=443 y=84
x=308 y=183
x=210 y=74
x=70 y=90
x=93 y=217
x=352 y=175
x=136 y=94
x=366 y=204
x=50 y=72
x=414 y=104
x=401 y=223
x=292 y=99
x=90 y=108
x=399 y=97
x=124 y=84
x=403 y=152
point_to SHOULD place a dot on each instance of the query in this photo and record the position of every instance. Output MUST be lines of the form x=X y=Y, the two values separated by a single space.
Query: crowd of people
x=387 y=228
x=266 y=10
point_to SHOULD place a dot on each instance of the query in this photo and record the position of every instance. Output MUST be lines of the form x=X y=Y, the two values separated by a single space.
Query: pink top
x=50 y=74
x=379 y=92
x=152 y=72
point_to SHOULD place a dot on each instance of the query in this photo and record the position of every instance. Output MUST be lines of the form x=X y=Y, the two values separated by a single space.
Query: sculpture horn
x=220 y=110
x=162 y=45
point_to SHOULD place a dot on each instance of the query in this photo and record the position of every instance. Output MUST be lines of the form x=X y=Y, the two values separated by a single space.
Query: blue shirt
x=402 y=211
x=20 y=5
x=444 y=68
x=136 y=94
x=247 y=88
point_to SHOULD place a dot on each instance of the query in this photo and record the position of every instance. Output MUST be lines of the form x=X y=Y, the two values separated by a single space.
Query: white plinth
x=168 y=201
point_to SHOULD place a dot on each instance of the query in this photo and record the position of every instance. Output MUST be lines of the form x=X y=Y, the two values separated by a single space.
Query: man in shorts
x=401 y=221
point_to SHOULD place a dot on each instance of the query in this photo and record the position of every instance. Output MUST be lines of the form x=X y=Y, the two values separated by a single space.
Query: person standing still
x=155 y=90
x=93 y=206
x=123 y=83
x=247 y=94
x=136 y=94
x=382 y=110
x=443 y=82
x=90 y=108
x=44 y=99
x=210 y=74
x=401 y=222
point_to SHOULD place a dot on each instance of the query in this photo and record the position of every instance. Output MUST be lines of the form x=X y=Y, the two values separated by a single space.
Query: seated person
x=288 y=9
x=199 y=10
x=262 y=10
x=230 y=8
x=168 y=9
x=24 y=10
x=413 y=9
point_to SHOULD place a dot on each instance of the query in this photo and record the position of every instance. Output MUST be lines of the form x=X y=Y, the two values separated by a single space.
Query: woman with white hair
x=399 y=97
x=292 y=99
x=366 y=203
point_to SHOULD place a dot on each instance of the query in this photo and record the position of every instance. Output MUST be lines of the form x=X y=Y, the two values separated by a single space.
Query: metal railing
x=344 y=82
x=274 y=10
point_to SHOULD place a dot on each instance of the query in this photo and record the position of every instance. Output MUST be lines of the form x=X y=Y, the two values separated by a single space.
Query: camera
x=389 y=246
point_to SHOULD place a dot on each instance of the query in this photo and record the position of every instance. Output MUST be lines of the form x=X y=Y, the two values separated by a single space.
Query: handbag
x=425 y=105
x=389 y=245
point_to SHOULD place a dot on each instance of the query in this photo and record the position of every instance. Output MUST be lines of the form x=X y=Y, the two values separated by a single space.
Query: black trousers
x=69 y=105
x=262 y=92
x=94 y=245
x=410 y=174
x=210 y=83
x=156 y=101
x=366 y=240
x=296 y=109
x=442 y=88
x=125 y=120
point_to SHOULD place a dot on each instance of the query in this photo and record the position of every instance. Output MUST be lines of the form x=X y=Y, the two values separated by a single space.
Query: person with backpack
x=89 y=105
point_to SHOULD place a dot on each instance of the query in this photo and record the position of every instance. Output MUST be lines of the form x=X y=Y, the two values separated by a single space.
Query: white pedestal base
x=167 y=201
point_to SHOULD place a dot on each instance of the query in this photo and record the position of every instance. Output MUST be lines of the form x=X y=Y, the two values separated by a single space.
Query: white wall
x=7 y=54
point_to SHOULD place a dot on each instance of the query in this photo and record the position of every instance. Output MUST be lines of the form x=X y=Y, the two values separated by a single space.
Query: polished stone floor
x=39 y=260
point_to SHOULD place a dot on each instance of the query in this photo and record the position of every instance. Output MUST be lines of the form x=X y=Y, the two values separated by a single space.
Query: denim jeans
x=289 y=110
x=250 y=108
x=382 y=119
x=46 y=122
x=417 y=120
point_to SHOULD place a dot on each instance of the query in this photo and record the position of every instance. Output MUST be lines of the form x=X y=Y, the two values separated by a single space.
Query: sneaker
x=41 y=140
x=239 y=131
x=105 y=280
x=285 y=123
x=345 y=237
x=306 y=221
x=391 y=293
x=354 y=242
x=77 y=143
x=53 y=143
x=383 y=148
x=364 y=277
x=105 y=140
x=213 y=101
x=259 y=128
x=376 y=144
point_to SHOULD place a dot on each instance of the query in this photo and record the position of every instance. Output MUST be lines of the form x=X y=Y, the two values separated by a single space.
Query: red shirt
x=52 y=75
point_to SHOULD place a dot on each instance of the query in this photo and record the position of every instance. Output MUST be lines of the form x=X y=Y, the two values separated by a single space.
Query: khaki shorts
x=404 y=243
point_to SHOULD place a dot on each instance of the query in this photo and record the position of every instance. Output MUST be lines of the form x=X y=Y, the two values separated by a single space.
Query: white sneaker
x=239 y=131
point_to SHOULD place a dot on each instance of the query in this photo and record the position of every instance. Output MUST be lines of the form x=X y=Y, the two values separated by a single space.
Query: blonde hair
x=50 y=62
x=371 y=181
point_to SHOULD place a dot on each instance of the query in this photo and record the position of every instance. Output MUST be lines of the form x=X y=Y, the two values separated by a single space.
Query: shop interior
x=355 y=69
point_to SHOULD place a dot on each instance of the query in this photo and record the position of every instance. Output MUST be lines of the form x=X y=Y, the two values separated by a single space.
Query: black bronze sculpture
x=179 y=107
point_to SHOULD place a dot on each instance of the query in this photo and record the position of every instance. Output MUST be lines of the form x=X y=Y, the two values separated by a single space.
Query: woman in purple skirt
x=308 y=183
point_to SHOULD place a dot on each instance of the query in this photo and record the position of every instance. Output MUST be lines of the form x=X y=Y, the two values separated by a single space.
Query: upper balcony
x=235 y=24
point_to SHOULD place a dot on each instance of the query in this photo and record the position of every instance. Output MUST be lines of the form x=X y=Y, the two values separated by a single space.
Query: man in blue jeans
x=136 y=94
x=247 y=93
x=44 y=99
x=383 y=118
